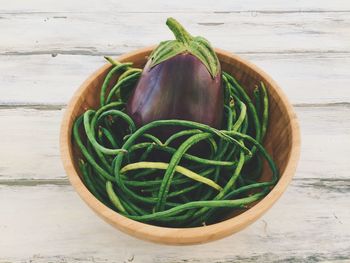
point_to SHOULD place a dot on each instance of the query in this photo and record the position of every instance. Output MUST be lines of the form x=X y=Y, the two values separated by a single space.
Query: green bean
x=91 y=137
x=227 y=187
x=260 y=148
x=104 y=161
x=86 y=154
x=223 y=148
x=227 y=92
x=175 y=159
x=183 y=191
x=203 y=204
x=130 y=208
x=87 y=180
x=119 y=84
x=265 y=115
x=113 y=197
x=180 y=134
x=107 y=80
x=113 y=105
x=244 y=127
x=109 y=137
x=121 y=114
x=116 y=62
x=186 y=156
x=249 y=103
x=241 y=117
x=153 y=182
x=152 y=138
x=144 y=173
x=257 y=100
x=237 y=192
x=256 y=172
x=129 y=72
x=147 y=152
x=178 y=168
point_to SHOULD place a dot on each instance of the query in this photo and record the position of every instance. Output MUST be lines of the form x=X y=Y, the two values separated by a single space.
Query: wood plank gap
x=322 y=105
x=33 y=182
x=272 y=12
x=43 y=107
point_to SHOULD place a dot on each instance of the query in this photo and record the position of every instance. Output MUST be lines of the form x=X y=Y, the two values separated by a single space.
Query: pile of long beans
x=195 y=176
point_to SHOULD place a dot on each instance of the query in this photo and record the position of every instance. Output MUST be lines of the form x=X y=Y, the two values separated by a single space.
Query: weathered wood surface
x=159 y=6
x=49 y=223
x=112 y=33
x=43 y=79
x=48 y=48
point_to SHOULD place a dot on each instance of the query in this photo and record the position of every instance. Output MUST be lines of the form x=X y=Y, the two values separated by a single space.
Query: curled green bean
x=92 y=139
x=108 y=78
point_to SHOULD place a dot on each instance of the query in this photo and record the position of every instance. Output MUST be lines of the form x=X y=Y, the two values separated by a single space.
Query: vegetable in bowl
x=160 y=179
x=181 y=80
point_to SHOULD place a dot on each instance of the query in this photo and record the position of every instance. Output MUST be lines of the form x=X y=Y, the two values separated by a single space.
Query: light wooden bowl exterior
x=282 y=142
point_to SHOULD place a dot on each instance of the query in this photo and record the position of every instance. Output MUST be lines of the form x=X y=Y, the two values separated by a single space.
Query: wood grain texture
x=43 y=79
x=70 y=33
x=308 y=224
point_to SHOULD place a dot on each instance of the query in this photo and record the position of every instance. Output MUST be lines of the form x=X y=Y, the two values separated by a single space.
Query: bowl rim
x=180 y=236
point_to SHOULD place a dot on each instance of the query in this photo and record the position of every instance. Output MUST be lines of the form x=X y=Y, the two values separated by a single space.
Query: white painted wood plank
x=50 y=223
x=30 y=141
x=147 y=6
x=108 y=32
x=30 y=144
x=43 y=79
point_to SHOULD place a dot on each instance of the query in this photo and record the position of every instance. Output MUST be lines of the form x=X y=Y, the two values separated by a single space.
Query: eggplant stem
x=179 y=31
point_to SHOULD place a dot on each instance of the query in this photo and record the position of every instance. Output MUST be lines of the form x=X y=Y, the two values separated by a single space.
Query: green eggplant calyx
x=186 y=43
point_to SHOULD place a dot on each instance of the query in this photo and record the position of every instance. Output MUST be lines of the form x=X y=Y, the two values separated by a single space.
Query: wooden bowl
x=282 y=141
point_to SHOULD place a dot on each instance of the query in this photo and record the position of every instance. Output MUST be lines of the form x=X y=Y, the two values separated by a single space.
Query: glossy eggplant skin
x=178 y=88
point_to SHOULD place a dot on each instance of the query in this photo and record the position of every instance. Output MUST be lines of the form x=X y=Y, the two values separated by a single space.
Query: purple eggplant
x=181 y=80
